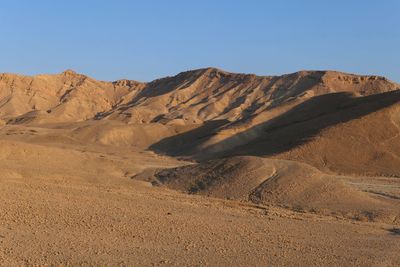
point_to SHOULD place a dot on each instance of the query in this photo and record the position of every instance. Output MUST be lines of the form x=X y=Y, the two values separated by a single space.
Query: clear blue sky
x=144 y=40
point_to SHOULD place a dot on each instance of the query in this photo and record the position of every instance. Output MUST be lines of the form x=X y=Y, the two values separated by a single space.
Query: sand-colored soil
x=203 y=168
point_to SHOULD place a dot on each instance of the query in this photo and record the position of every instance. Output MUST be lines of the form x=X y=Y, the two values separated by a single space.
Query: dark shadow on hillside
x=300 y=124
x=184 y=144
x=395 y=231
x=291 y=129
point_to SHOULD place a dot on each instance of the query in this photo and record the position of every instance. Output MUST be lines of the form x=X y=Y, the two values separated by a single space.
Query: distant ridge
x=192 y=96
x=311 y=116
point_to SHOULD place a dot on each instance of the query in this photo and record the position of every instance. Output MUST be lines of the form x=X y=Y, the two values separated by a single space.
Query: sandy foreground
x=59 y=222
x=51 y=223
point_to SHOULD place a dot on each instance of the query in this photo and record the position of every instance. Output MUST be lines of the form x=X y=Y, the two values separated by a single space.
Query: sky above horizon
x=144 y=40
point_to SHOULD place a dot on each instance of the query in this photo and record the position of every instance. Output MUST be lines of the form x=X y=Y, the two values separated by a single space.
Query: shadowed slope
x=332 y=132
x=353 y=136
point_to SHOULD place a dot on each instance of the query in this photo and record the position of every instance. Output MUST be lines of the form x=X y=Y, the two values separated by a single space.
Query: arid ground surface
x=203 y=168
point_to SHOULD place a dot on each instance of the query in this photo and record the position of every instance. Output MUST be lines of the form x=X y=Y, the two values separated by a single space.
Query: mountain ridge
x=208 y=113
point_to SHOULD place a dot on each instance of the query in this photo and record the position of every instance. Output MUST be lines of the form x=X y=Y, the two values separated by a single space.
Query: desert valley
x=206 y=167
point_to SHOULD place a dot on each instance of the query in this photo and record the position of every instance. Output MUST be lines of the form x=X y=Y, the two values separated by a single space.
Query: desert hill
x=189 y=97
x=209 y=113
x=211 y=94
x=340 y=123
x=336 y=133
x=331 y=120
x=279 y=182
x=65 y=97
